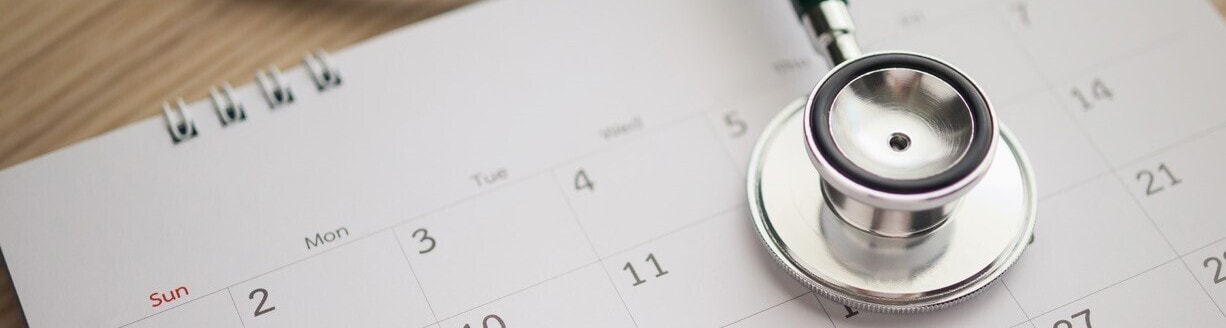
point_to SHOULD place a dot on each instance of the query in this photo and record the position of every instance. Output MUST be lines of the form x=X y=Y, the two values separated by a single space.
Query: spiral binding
x=276 y=91
x=322 y=71
x=231 y=111
x=178 y=121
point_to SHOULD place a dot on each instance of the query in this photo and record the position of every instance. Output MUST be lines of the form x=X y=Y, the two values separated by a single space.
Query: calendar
x=543 y=163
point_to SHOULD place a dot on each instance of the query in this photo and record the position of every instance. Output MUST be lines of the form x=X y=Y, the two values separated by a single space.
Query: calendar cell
x=214 y=310
x=1067 y=38
x=878 y=20
x=1180 y=188
x=366 y=283
x=994 y=60
x=1066 y=261
x=1208 y=266
x=671 y=283
x=582 y=298
x=684 y=162
x=494 y=244
x=1149 y=101
x=994 y=308
x=1163 y=297
x=1061 y=154
x=739 y=125
x=803 y=311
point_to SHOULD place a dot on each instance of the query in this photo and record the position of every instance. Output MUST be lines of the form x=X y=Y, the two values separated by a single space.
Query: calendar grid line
x=1019 y=98
x=1023 y=323
x=329 y=250
x=1144 y=212
x=687 y=226
x=766 y=309
x=1105 y=288
x=1177 y=257
x=1049 y=85
x=460 y=201
x=517 y=291
x=1168 y=38
x=960 y=12
x=1076 y=185
x=825 y=311
x=1123 y=185
x=1176 y=251
x=608 y=146
x=1215 y=241
x=304 y=259
x=172 y=308
x=582 y=229
x=727 y=152
x=400 y=245
x=1112 y=170
x=666 y=125
x=236 y=311
x=1202 y=287
x=1015 y=301
x=1140 y=49
x=598 y=261
x=1175 y=144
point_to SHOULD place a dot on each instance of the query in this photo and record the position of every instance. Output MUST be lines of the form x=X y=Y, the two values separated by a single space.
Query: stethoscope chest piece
x=892 y=188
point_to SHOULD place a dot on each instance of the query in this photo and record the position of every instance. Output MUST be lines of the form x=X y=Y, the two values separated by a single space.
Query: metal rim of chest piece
x=841 y=204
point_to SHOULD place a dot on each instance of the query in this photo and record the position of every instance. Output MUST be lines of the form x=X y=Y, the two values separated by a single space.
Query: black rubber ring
x=980 y=116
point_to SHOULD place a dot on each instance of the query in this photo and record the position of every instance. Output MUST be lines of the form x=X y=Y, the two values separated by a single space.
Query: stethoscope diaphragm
x=892 y=188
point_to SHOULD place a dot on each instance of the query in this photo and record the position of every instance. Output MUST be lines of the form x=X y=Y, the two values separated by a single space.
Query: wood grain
x=73 y=69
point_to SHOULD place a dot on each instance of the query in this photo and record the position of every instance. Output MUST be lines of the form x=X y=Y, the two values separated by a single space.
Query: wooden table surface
x=73 y=69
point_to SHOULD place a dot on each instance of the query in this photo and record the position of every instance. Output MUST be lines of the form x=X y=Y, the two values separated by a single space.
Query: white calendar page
x=581 y=164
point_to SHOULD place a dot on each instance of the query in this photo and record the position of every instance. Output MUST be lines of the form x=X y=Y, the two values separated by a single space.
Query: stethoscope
x=908 y=195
